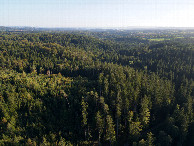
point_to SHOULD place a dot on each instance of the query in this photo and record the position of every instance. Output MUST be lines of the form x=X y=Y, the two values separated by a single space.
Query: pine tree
x=150 y=139
x=134 y=127
x=144 y=111
x=118 y=112
x=99 y=125
x=84 y=114
x=110 y=131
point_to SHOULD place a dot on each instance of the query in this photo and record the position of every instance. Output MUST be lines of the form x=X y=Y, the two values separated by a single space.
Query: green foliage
x=99 y=123
x=144 y=111
x=84 y=112
x=110 y=132
x=89 y=88
x=150 y=139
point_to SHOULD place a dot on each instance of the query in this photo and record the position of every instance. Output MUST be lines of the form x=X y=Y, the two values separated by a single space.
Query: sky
x=97 y=13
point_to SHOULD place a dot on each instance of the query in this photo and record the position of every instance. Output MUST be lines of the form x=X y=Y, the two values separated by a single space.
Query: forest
x=97 y=87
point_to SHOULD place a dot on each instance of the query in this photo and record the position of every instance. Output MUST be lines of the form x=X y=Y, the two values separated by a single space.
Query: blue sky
x=97 y=13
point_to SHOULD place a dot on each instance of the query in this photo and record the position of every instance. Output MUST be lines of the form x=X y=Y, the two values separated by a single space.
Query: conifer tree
x=99 y=125
x=144 y=111
x=84 y=114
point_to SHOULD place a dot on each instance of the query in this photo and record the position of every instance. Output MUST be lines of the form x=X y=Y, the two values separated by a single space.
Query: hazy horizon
x=103 y=28
x=97 y=13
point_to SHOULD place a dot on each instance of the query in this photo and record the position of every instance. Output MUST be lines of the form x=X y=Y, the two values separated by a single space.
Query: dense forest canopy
x=90 y=87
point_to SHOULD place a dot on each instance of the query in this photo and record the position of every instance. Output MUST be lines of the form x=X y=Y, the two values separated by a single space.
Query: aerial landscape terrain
x=96 y=87
x=96 y=72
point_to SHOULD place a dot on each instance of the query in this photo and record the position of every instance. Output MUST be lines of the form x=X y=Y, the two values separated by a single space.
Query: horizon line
x=128 y=27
